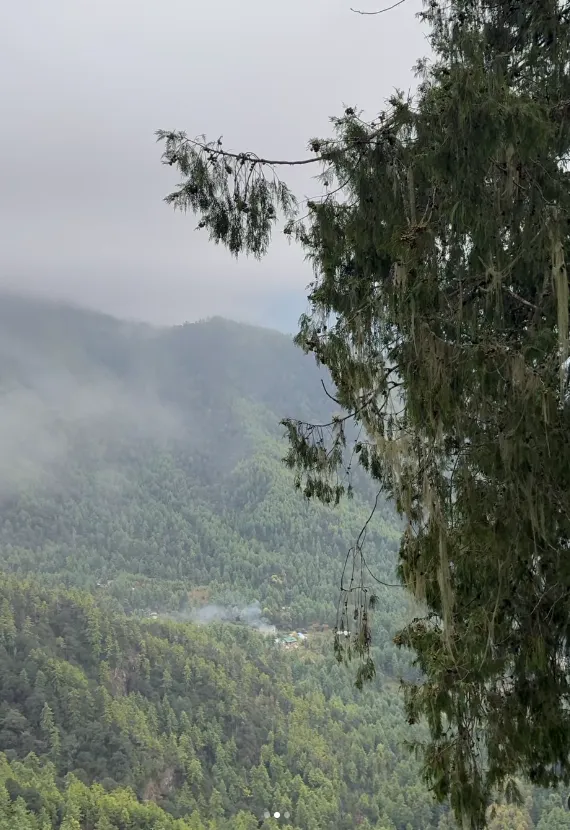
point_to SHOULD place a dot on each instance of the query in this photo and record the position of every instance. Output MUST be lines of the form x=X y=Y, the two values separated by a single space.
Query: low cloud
x=84 y=86
x=45 y=414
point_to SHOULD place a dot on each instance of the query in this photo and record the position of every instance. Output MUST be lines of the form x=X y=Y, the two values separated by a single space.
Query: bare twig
x=380 y=11
x=328 y=394
x=217 y=151
x=520 y=299
x=356 y=549
x=337 y=420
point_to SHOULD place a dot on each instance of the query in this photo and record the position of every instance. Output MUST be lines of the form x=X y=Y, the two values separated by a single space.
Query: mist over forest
x=284 y=415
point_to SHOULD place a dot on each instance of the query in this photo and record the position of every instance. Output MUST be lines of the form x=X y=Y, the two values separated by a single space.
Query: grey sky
x=83 y=87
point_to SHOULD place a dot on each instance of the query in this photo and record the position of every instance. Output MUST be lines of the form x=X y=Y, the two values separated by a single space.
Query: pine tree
x=50 y=733
x=440 y=307
x=7 y=624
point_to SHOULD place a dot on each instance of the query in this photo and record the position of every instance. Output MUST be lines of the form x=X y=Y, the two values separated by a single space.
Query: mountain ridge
x=158 y=455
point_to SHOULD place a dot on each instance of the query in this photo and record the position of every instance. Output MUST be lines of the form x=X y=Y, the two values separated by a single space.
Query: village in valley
x=251 y=617
x=292 y=640
x=297 y=638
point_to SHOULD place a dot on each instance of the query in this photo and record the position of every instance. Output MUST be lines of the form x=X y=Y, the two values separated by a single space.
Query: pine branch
x=245 y=157
x=216 y=151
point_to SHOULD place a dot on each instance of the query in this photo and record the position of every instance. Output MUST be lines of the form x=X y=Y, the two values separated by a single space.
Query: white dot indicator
x=277 y=814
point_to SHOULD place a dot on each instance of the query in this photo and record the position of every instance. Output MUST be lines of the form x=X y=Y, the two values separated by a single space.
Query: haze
x=85 y=85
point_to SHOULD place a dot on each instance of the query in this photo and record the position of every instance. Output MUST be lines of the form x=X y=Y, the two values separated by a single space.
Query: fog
x=36 y=424
x=55 y=402
x=84 y=86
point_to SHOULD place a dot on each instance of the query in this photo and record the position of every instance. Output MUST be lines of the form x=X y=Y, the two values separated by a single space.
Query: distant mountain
x=204 y=374
x=148 y=461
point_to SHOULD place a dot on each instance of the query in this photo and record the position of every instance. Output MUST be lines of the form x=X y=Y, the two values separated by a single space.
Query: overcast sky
x=83 y=87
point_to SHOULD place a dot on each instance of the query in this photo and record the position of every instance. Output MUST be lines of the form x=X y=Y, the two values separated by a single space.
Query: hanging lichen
x=440 y=308
x=560 y=282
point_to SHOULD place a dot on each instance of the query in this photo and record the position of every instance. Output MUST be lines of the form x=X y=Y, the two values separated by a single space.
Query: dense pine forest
x=144 y=512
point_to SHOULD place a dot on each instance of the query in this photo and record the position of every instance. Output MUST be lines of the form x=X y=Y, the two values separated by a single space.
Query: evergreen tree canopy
x=440 y=307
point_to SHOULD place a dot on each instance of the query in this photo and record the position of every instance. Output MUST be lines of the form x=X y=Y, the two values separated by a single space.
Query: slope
x=142 y=466
x=149 y=461
x=212 y=721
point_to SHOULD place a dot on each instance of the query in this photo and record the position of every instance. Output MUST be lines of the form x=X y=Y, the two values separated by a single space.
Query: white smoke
x=249 y=615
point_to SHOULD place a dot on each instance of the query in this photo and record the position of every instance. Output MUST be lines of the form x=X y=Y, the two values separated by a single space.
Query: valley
x=153 y=549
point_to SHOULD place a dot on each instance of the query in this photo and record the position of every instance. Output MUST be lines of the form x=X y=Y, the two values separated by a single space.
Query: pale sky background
x=83 y=87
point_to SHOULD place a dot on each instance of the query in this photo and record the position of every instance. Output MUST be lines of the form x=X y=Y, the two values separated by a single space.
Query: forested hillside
x=152 y=460
x=141 y=480
x=122 y=723
x=207 y=720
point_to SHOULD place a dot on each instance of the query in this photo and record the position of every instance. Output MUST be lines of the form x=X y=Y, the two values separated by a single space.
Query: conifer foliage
x=440 y=306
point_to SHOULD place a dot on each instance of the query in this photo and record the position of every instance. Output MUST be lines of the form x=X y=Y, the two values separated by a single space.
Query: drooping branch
x=240 y=196
x=215 y=150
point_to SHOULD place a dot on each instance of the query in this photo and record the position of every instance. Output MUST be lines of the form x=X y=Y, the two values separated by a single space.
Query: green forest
x=142 y=492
